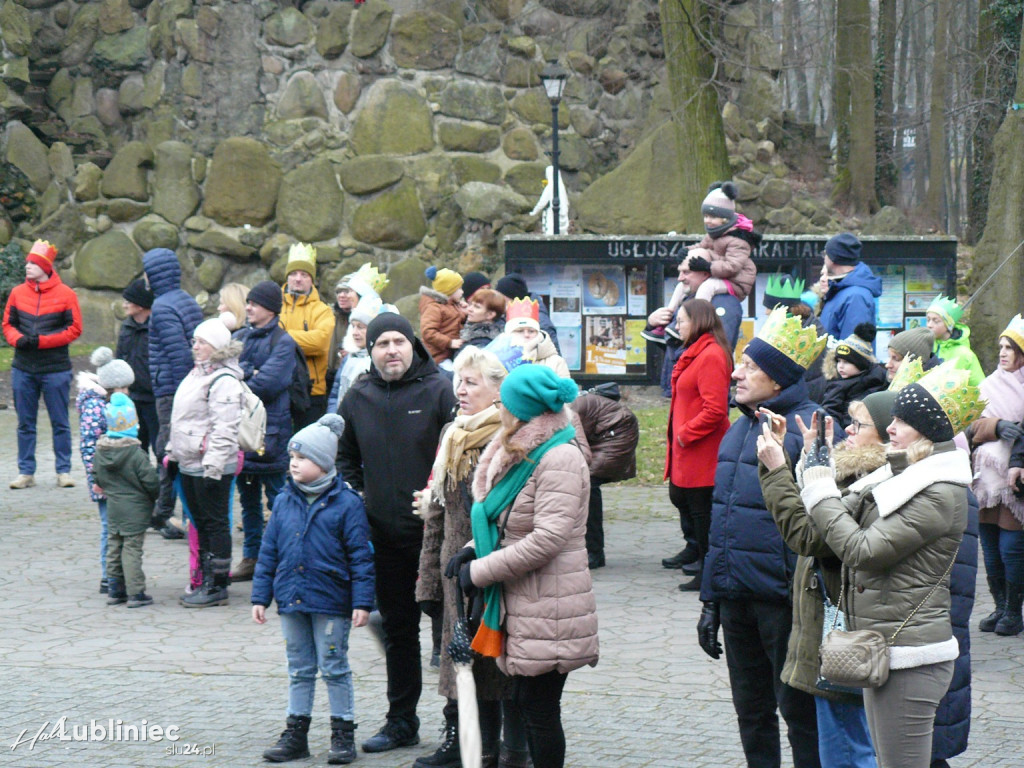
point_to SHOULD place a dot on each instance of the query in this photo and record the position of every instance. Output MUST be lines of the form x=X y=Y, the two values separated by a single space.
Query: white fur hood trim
x=909 y=656
x=946 y=467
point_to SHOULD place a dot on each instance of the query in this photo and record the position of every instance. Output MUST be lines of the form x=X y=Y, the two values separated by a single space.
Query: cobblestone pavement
x=654 y=700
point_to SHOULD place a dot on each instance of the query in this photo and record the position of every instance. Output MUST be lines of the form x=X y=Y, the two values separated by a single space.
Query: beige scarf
x=461 y=447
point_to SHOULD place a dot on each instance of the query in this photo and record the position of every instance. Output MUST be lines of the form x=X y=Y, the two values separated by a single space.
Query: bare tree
x=938 y=155
x=885 y=164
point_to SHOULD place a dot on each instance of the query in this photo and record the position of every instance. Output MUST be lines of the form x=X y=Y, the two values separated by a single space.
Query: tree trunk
x=1004 y=230
x=854 y=72
x=920 y=46
x=938 y=157
x=700 y=137
x=885 y=182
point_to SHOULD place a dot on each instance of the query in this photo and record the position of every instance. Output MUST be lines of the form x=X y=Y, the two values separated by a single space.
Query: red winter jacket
x=48 y=311
x=699 y=413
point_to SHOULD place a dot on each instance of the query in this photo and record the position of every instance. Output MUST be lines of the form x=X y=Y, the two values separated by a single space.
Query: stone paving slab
x=654 y=700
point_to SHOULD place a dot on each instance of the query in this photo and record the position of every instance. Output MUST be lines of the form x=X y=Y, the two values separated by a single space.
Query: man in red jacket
x=40 y=320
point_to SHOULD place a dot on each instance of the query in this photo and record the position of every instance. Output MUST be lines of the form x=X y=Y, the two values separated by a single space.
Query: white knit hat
x=213 y=332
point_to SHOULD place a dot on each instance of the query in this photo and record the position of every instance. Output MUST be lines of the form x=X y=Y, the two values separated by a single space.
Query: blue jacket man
x=746 y=579
x=853 y=289
x=268 y=363
x=174 y=317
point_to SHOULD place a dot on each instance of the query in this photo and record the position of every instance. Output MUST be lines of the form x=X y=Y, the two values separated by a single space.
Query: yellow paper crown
x=786 y=333
x=301 y=256
x=1015 y=331
x=909 y=371
x=959 y=399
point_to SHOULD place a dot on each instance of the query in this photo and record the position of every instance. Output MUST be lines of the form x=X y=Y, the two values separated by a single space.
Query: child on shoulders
x=317 y=563
x=442 y=315
x=726 y=247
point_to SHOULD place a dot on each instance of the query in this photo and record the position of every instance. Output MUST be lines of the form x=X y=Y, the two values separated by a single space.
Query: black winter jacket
x=268 y=364
x=133 y=348
x=839 y=393
x=390 y=441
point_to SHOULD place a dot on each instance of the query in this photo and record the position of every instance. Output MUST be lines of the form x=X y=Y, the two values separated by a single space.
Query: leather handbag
x=835 y=620
x=860 y=658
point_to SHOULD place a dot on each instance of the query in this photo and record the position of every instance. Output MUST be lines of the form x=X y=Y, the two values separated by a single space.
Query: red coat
x=699 y=413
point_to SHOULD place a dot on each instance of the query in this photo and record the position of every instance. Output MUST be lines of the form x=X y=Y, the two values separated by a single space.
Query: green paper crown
x=947 y=309
x=787 y=334
x=909 y=371
x=373 y=277
x=950 y=386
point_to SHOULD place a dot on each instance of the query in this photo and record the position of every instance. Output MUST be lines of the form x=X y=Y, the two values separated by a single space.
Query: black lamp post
x=553 y=78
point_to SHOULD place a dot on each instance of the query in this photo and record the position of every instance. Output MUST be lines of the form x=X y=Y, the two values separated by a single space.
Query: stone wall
x=384 y=132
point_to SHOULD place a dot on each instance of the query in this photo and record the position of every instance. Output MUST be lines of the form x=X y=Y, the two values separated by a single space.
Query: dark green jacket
x=131 y=483
x=782 y=498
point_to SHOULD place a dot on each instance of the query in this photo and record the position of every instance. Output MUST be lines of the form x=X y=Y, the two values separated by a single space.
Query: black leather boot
x=1012 y=623
x=998 y=589
x=447 y=755
x=514 y=758
x=685 y=556
x=116 y=593
x=693 y=585
x=490 y=733
x=294 y=741
x=343 y=742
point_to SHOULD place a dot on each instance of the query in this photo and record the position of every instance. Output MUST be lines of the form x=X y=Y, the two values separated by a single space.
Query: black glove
x=698 y=264
x=432 y=608
x=466 y=580
x=1008 y=430
x=707 y=630
x=817 y=457
x=27 y=342
x=464 y=555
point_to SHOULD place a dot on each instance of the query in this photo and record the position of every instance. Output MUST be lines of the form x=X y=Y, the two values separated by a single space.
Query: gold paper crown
x=302 y=252
x=373 y=277
x=959 y=399
x=787 y=334
x=909 y=371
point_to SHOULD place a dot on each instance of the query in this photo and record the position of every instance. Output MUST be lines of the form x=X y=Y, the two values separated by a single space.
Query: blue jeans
x=249 y=484
x=103 y=536
x=55 y=389
x=316 y=640
x=843 y=738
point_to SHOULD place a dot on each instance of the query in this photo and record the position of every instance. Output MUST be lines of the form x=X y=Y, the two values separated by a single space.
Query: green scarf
x=484 y=516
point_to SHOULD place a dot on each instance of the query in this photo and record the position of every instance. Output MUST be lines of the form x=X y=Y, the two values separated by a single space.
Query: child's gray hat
x=319 y=442
x=111 y=373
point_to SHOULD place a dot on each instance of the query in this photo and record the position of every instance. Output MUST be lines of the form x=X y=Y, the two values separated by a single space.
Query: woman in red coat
x=698 y=418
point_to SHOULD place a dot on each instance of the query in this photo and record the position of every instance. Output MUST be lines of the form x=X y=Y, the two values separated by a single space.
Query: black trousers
x=165 y=502
x=595 y=519
x=539 y=701
x=209 y=508
x=149 y=424
x=694 y=505
x=756 y=634
x=397 y=569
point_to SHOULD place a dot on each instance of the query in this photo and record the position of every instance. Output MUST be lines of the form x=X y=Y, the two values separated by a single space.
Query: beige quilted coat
x=549 y=611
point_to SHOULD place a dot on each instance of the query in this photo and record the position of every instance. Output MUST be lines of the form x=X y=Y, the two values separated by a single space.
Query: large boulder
x=175 y=194
x=210 y=273
x=370 y=28
x=889 y=221
x=87 y=182
x=482 y=59
x=520 y=144
x=28 y=154
x=394 y=120
x=126 y=175
x=527 y=179
x=640 y=196
x=332 y=32
x=99 y=321
x=392 y=220
x=81 y=35
x=15 y=28
x=776 y=193
x=457 y=136
x=111 y=260
x=123 y=51
x=310 y=204
x=288 y=28
x=116 y=16
x=405 y=278
x=242 y=183
x=469 y=168
x=471 y=101
x=490 y=202
x=153 y=232
x=533 y=107
x=223 y=243
x=346 y=92
x=302 y=97
x=424 y=40
x=369 y=174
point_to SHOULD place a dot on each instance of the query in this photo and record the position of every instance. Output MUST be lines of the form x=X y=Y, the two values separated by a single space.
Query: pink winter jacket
x=550 y=613
x=732 y=262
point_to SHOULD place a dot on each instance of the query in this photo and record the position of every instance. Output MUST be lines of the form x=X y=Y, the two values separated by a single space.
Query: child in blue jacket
x=316 y=561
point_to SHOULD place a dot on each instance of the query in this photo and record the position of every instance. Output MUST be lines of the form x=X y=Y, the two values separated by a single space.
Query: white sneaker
x=64 y=480
x=23 y=481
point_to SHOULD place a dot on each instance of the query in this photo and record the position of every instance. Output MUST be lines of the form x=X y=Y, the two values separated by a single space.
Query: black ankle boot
x=693 y=585
x=998 y=589
x=294 y=741
x=514 y=758
x=447 y=755
x=685 y=556
x=1012 y=623
x=343 y=742
x=215 y=584
x=116 y=593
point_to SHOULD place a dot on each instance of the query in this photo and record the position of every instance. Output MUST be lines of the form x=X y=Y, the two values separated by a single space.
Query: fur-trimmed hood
x=495 y=461
x=488 y=329
x=116 y=442
x=430 y=293
x=853 y=463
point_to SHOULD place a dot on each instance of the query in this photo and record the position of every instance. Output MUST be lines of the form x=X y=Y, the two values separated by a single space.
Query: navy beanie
x=138 y=293
x=513 y=287
x=844 y=248
x=267 y=294
x=473 y=282
x=388 y=321
x=779 y=368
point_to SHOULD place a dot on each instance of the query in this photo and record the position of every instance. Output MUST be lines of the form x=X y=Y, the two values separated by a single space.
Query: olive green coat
x=782 y=498
x=130 y=482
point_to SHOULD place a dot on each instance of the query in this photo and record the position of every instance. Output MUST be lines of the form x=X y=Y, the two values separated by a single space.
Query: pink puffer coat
x=550 y=613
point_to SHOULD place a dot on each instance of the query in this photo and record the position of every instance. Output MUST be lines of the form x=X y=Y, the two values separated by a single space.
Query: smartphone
x=822 y=440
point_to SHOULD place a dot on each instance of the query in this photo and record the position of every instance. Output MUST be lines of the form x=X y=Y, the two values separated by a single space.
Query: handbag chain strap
x=892 y=640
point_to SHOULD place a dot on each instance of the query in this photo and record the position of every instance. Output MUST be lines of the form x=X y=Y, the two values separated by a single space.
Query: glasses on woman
x=857 y=426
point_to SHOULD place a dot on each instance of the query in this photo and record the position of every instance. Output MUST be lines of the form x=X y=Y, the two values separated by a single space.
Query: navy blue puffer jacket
x=268 y=363
x=316 y=558
x=953 y=717
x=175 y=316
x=747 y=558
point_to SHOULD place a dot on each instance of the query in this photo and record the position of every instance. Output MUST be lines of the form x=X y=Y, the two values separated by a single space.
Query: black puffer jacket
x=612 y=432
x=839 y=393
x=133 y=348
x=390 y=440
